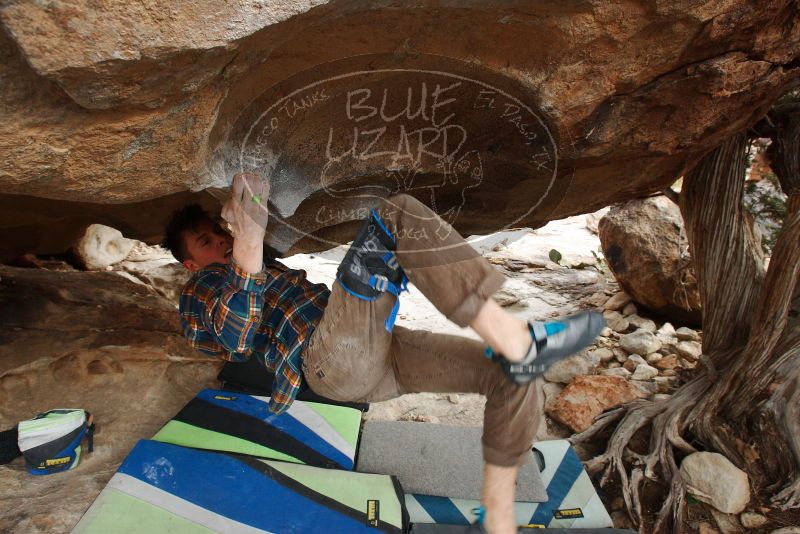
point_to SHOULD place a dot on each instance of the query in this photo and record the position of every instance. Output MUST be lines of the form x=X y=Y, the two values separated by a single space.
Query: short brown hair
x=184 y=219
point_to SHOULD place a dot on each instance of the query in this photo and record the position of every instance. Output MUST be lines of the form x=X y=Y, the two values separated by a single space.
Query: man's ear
x=191 y=265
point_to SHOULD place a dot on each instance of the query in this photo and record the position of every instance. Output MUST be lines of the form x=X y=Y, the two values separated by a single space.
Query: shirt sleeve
x=285 y=386
x=221 y=313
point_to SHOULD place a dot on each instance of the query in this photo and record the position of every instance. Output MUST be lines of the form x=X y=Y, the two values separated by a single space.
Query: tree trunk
x=746 y=401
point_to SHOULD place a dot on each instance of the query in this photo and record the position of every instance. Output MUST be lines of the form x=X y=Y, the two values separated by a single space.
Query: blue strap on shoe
x=551 y=342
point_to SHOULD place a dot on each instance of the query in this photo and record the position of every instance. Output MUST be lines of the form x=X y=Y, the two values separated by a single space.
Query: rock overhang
x=630 y=97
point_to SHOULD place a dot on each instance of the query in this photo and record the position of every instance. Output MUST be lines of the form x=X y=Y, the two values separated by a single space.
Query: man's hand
x=246 y=210
x=246 y=215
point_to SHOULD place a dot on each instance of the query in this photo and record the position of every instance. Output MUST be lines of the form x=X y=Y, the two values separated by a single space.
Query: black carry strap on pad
x=9 y=450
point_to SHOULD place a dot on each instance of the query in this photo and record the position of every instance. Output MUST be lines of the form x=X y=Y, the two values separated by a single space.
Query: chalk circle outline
x=417 y=71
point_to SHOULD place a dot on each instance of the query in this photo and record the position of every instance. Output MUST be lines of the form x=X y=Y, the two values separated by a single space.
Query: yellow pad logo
x=568 y=513
x=57 y=461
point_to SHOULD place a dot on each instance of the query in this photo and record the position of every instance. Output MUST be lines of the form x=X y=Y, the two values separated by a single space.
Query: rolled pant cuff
x=502 y=458
x=465 y=312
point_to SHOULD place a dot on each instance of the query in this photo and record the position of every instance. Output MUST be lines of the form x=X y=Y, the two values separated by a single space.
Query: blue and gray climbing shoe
x=552 y=341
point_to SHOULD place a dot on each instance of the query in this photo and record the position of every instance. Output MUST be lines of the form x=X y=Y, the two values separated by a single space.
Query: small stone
x=605 y=332
x=453 y=398
x=640 y=342
x=635 y=358
x=666 y=330
x=752 y=520
x=616 y=371
x=687 y=334
x=641 y=323
x=616 y=321
x=713 y=479
x=630 y=365
x=614 y=365
x=653 y=358
x=629 y=309
x=565 y=370
x=667 y=362
x=669 y=372
x=661 y=397
x=644 y=372
x=603 y=355
x=691 y=350
x=620 y=355
x=617 y=302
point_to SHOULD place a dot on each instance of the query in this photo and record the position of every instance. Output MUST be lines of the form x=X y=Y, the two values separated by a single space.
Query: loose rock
x=616 y=371
x=586 y=397
x=653 y=358
x=629 y=309
x=603 y=355
x=713 y=479
x=618 y=301
x=565 y=370
x=687 y=334
x=616 y=321
x=641 y=323
x=101 y=246
x=752 y=520
x=644 y=372
x=667 y=362
x=640 y=342
x=691 y=350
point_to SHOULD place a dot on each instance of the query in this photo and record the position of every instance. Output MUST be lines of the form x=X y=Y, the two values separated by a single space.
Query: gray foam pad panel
x=432 y=459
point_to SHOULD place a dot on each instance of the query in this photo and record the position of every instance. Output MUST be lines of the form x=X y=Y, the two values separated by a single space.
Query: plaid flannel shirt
x=234 y=315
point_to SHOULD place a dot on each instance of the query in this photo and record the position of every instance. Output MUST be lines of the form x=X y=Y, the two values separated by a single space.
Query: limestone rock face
x=101 y=246
x=713 y=479
x=586 y=397
x=646 y=247
x=91 y=340
x=495 y=113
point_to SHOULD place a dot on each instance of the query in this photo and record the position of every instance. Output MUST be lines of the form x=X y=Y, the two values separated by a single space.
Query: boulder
x=586 y=397
x=142 y=104
x=97 y=341
x=713 y=479
x=640 y=342
x=101 y=246
x=646 y=248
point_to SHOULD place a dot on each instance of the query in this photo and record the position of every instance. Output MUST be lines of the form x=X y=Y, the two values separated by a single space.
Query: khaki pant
x=351 y=357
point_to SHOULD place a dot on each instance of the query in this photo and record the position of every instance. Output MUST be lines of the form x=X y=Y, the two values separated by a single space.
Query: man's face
x=209 y=244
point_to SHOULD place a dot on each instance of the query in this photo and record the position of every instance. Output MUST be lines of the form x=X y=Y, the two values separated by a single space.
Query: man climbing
x=342 y=342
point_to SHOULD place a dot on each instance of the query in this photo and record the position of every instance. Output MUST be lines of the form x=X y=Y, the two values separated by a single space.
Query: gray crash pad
x=432 y=459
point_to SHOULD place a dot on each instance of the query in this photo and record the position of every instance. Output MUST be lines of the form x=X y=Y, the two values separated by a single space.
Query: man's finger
x=237 y=187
